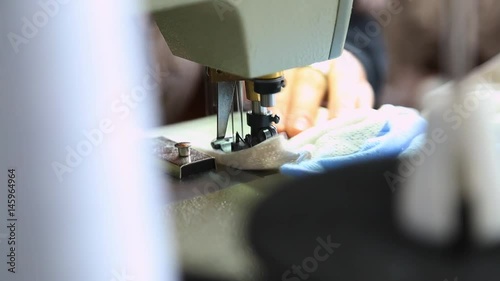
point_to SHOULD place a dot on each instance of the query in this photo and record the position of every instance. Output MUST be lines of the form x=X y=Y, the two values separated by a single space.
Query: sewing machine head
x=246 y=45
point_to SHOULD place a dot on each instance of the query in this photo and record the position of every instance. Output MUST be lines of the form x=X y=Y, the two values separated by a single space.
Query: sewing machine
x=245 y=46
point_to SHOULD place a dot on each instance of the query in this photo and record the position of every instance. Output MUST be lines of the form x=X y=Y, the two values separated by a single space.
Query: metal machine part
x=178 y=158
x=262 y=34
x=260 y=92
x=184 y=149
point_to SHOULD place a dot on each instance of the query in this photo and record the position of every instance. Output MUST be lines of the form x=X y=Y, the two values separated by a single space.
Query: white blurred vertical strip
x=77 y=97
x=479 y=165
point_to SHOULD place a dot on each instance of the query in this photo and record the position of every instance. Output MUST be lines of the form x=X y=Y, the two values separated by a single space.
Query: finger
x=366 y=96
x=308 y=90
x=322 y=116
x=283 y=100
x=343 y=84
x=341 y=95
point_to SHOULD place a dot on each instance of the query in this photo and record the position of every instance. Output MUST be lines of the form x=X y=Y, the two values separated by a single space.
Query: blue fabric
x=396 y=137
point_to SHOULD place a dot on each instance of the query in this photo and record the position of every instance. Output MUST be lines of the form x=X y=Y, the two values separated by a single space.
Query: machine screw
x=184 y=149
x=275 y=119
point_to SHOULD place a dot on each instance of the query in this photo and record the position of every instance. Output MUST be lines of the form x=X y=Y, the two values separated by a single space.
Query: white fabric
x=341 y=136
x=268 y=155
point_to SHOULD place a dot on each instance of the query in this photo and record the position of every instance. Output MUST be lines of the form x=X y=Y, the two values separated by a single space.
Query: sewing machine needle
x=239 y=99
x=232 y=112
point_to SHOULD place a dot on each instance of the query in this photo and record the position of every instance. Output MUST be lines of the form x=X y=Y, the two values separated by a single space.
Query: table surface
x=210 y=211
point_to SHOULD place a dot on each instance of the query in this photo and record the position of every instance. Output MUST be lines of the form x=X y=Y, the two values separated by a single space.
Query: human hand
x=341 y=84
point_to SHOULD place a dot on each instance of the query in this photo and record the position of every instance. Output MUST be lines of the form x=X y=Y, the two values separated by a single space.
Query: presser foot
x=261 y=130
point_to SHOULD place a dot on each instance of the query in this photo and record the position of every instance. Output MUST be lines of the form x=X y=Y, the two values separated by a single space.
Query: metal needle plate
x=177 y=165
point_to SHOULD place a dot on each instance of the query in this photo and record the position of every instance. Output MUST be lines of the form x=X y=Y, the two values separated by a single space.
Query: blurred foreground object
x=461 y=161
x=457 y=190
x=75 y=101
